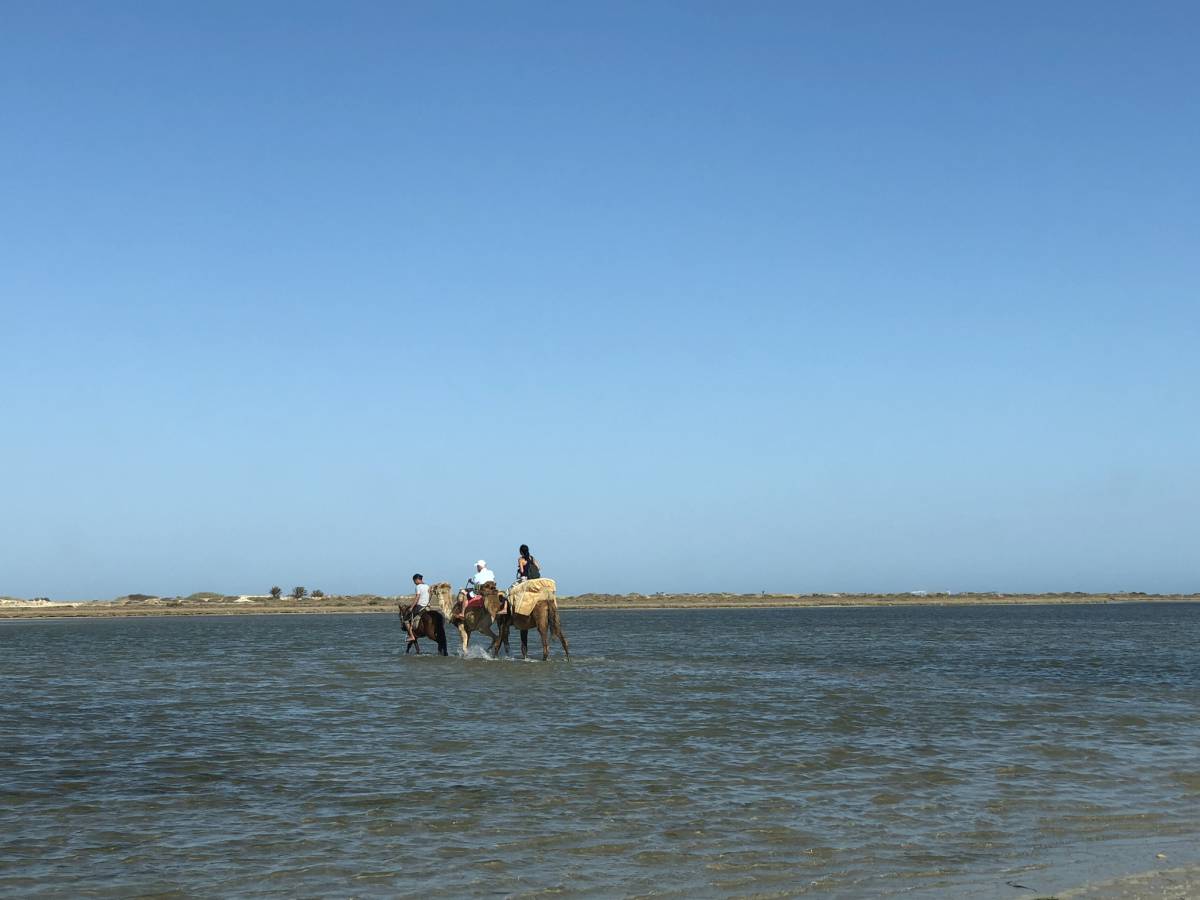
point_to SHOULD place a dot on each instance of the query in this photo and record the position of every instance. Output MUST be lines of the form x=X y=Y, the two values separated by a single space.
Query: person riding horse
x=419 y=605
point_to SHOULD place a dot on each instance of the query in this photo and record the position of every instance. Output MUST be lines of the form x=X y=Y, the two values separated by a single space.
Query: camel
x=543 y=616
x=429 y=624
x=472 y=620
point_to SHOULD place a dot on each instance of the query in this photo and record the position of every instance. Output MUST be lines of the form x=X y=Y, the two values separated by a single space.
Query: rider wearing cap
x=482 y=576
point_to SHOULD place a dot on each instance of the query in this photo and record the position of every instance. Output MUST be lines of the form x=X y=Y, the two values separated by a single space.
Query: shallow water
x=921 y=751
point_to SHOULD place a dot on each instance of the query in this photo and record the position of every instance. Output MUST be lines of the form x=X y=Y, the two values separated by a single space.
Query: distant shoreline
x=98 y=609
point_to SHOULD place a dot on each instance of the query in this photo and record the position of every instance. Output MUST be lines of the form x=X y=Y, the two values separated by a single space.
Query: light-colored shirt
x=484 y=577
x=422 y=595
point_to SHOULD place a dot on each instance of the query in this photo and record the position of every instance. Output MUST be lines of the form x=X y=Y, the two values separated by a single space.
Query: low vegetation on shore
x=299 y=601
x=201 y=603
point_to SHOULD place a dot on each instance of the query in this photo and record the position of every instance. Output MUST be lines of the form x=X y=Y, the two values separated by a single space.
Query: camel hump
x=525 y=595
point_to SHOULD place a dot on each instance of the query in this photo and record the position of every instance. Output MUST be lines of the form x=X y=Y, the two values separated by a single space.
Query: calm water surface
x=916 y=751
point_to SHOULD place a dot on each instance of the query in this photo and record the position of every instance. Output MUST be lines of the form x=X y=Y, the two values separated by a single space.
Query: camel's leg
x=524 y=643
x=496 y=638
x=466 y=638
x=556 y=630
x=541 y=627
x=562 y=638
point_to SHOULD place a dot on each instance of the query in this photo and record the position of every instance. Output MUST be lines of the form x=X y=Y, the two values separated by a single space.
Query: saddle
x=459 y=611
x=525 y=595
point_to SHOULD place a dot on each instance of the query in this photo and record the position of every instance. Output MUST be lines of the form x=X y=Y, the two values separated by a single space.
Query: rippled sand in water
x=917 y=751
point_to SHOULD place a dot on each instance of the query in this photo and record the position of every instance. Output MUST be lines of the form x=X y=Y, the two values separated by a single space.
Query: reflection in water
x=924 y=751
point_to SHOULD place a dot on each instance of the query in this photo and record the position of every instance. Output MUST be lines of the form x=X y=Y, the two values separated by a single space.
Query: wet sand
x=1181 y=883
x=770 y=601
x=387 y=605
x=106 y=609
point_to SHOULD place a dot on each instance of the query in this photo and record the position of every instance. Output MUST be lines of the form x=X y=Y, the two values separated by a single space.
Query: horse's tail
x=439 y=633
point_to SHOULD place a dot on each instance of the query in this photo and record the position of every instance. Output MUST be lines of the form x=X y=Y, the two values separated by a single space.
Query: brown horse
x=429 y=624
x=543 y=616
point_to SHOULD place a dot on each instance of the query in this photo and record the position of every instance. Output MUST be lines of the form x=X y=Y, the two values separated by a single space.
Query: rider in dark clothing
x=527 y=566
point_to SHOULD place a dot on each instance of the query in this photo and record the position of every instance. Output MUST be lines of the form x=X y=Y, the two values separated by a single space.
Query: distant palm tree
x=298 y=593
x=276 y=592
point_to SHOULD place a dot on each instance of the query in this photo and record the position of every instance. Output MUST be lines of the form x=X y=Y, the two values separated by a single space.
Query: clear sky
x=687 y=296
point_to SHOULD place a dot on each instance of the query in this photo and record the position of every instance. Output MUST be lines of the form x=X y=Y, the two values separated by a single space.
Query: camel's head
x=441 y=595
x=491 y=598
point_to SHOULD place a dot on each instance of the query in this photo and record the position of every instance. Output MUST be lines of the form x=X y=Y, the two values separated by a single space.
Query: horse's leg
x=410 y=635
x=421 y=630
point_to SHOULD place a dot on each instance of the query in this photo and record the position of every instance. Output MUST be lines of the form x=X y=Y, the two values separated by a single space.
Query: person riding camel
x=527 y=566
x=482 y=576
x=419 y=605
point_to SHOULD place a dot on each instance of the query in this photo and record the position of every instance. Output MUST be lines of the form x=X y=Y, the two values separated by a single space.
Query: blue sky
x=687 y=296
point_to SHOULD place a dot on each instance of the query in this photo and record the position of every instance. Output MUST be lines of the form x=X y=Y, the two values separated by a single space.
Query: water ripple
x=922 y=751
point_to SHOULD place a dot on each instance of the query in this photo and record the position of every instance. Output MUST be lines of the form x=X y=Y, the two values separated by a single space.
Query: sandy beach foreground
x=210 y=604
x=1160 y=884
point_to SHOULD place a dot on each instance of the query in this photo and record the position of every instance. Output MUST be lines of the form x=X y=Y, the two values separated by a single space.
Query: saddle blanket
x=475 y=602
x=524 y=596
